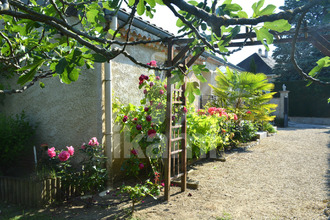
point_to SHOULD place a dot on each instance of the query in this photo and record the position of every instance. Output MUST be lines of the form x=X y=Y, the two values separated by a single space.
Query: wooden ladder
x=176 y=133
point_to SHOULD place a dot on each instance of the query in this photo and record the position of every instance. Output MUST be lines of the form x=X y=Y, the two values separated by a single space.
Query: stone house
x=69 y=115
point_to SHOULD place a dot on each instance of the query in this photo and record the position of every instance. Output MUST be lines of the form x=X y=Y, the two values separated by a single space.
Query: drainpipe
x=108 y=108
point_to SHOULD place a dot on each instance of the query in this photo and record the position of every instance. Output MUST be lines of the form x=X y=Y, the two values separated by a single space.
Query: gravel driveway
x=285 y=177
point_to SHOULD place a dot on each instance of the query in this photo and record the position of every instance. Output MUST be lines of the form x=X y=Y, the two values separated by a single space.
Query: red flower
x=134 y=152
x=157 y=78
x=165 y=86
x=148 y=118
x=146 y=77
x=248 y=112
x=235 y=117
x=141 y=81
x=152 y=133
x=184 y=109
x=146 y=109
x=125 y=118
x=212 y=110
x=145 y=91
x=223 y=131
x=141 y=166
x=139 y=127
x=142 y=77
x=161 y=92
x=200 y=112
x=151 y=84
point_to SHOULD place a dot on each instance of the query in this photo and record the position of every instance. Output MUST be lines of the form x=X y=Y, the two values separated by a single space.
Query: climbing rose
x=148 y=118
x=64 y=156
x=138 y=127
x=161 y=92
x=135 y=120
x=157 y=78
x=145 y=91
x=146 y=109
x=151 y=84
x=141 y=166
x=51 y=152
x=248 y=112
x=235 y=117
x=134 y=152
x=146 y=77
x=165 y=86
x=184 y=109
x=140 y=82
x=152 y=133
x=70 y=150
x=152 y=63
x=125 y=118
x=142 y=77
x=93 y=141
x=83 y=146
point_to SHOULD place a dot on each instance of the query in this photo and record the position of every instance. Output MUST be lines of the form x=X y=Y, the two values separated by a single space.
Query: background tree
x=306 y=54
x=57 y=38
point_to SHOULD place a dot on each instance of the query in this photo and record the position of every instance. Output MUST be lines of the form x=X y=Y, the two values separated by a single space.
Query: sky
x=165 y=19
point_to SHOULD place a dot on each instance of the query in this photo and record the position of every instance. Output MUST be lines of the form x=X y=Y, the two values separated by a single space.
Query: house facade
x=69 y=115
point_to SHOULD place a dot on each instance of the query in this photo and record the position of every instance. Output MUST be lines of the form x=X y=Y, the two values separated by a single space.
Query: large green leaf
x=140 y=7
x=152 y=3
x=26 y=77
x=256 y=7
x=91 y=15
x=61 y=66
x=192 y=88
x=262 y=34
x=131 y=2
x=268 y=10
x=278 y=25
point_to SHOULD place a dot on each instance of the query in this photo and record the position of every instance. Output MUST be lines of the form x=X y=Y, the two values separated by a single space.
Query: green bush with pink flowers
x=89 y=176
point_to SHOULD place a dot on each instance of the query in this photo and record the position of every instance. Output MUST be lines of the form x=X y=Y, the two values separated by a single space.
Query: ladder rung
x=177 y=102
x=177 y=176
x=177 y=126
x=177 y=90
x=176 y=152
x=177 y=139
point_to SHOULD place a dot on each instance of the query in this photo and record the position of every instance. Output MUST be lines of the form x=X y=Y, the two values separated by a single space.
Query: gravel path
x=285 y=177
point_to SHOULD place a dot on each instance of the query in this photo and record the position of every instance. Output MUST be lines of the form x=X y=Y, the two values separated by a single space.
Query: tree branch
x=293 y=60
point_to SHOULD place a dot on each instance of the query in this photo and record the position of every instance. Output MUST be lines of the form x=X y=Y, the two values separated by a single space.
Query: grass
x=225 y=216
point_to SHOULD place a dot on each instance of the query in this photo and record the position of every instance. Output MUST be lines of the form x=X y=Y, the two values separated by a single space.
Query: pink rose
x=162 y=184
x=165 y=86
x=51 y=152
x=93 y=142
x=125 y=118
x=152 y=133
x=248 y=112
x=83 y=146
x=161 y=92
x=157 y=78
x=134 y=152
x=70 y=150
x=141 y=166
x=184 y=109
x=235 y=117
x=139 y=127
x=64 y=156
x=152 y=63
x=148 y=118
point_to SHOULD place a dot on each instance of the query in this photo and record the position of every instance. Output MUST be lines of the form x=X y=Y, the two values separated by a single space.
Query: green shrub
x=15 y=134
x=245 y=132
